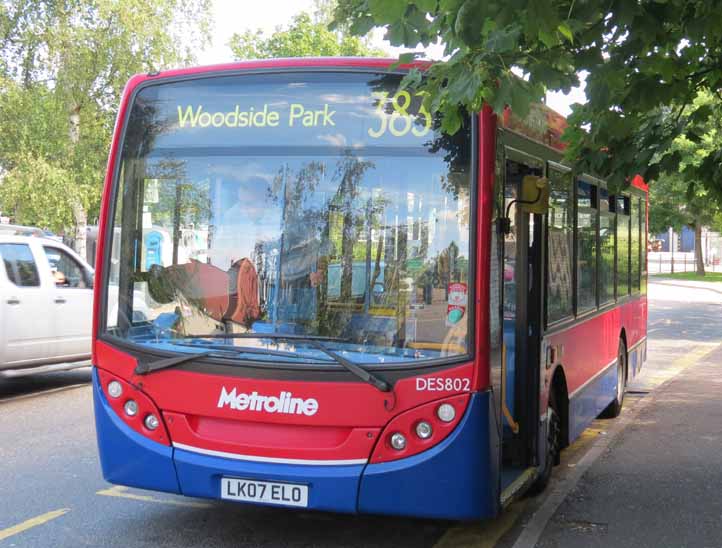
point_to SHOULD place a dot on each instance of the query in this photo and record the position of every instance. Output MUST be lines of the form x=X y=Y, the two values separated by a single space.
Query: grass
x=692 y=276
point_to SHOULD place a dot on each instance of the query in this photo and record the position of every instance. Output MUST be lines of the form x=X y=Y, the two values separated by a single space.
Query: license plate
x=267 y=492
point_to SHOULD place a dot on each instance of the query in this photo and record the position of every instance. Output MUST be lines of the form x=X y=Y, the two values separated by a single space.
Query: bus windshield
x=321 y=204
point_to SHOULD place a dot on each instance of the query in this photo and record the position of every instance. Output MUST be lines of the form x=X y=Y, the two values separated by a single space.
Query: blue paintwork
x=457 y=479
x=585 y=405
x=452 y=480
x=331 y=488
x=126 y=457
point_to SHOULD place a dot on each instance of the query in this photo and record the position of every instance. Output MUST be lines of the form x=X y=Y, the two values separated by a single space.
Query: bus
x=353 y=311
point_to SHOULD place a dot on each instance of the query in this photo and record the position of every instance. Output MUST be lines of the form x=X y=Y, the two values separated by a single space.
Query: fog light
x=446 y=412
x=115 y=389
x=398 y=441
x=131 y=408
x=424 y=430
x=151 y=422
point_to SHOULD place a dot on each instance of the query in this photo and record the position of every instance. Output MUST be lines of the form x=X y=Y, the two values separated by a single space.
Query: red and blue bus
x=310 y=296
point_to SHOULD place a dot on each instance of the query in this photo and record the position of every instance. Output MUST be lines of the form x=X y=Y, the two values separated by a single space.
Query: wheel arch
x=561 y=395
x=623 y=338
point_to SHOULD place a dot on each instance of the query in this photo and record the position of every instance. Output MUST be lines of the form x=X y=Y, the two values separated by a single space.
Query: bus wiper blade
x=281 y=336
x=316 y=342
x=165 y=363
x=362 y=373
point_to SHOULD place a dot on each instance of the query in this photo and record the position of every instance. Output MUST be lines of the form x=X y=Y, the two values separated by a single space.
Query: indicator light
x=446 y=412
x=151 y=422
x=424 y=430
x=115 y=389
x=131 y=408
x=398 y=441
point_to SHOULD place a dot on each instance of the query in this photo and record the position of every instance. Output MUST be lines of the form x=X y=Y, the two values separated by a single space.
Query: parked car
x=46 y=303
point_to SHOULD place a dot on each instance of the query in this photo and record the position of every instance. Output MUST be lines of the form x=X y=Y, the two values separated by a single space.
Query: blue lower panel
x=330 y=487
x=126 y=457
x=452 y=480
x=585 y=405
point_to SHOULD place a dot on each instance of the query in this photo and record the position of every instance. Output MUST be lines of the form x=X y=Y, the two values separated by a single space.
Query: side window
x=67 y=272
x=560 y=246
x=606 y=247
x=645 y=239
x=20 y=265
x=586 y=246
x=636 y=244
x=622 y=246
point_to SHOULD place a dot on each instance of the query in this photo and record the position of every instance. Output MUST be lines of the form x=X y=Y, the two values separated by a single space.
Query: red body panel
x=339 y=430
x=584 y=349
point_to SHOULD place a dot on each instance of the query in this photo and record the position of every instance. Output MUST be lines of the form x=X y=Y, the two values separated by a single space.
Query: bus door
x=522 y=302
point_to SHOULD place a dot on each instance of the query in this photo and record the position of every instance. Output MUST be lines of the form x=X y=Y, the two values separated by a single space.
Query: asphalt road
x=52 y=492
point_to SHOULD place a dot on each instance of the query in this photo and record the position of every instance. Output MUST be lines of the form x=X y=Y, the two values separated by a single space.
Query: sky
x=236 y=16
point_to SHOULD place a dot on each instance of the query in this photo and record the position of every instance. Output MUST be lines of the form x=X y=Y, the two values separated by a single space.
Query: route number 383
x=400 y=121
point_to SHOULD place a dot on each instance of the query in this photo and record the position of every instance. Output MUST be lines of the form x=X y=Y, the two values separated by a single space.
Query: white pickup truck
x=46 y=306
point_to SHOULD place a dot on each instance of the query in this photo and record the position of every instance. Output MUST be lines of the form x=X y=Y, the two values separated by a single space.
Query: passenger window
x=20 y=265
x=561 y=247
x=606 y=247
x=586 y=246
x=67 y=272
x=636 y=244
x=622 y=246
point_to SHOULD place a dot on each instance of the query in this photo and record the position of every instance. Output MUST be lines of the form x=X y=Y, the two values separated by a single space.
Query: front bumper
x=455 y=479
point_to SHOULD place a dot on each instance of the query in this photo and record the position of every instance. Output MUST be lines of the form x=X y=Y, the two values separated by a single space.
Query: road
x=52 y=492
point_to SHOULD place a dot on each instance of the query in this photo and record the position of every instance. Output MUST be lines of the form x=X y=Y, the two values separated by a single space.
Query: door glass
x=67 y=272
x=20 y=265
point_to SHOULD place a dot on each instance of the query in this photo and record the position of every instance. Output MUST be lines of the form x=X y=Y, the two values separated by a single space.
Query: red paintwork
x=347 y=412
x=145 y=407
x=406 y=423
x=485 y=202
x=586 y=348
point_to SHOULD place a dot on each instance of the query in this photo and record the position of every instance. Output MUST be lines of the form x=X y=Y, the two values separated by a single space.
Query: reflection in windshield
x=369 y=246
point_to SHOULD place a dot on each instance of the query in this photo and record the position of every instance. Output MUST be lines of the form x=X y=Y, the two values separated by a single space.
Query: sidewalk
x=660 y=482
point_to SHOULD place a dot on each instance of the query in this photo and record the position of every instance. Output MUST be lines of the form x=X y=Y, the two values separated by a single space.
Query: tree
x=679 y=198
x=62 y=68
x=644 y=58
x=304 y=37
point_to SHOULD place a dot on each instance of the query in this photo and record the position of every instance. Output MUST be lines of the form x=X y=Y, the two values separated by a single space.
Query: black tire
x=615 y=408
x=554 y=434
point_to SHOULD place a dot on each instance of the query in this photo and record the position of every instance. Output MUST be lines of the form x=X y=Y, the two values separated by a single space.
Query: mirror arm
x=505 y=226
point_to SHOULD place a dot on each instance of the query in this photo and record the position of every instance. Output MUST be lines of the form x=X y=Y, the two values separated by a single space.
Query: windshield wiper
x=316 y=342
x=165 y=363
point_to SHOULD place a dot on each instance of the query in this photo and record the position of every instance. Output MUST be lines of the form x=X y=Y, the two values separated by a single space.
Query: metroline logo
x=283 y=403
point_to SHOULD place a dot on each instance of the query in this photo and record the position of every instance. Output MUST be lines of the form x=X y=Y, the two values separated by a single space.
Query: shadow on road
x=34 y=383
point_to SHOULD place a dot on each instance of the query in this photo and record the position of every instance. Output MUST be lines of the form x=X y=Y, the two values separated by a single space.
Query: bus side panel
x=453 y=480
x=588 y=354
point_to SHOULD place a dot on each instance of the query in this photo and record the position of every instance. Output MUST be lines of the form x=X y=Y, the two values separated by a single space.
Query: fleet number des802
x=442 y=384
x=400 y=121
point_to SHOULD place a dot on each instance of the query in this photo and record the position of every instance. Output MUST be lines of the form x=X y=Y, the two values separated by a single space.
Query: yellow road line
x=122 y=492
x=32 y=522
x=485 y=534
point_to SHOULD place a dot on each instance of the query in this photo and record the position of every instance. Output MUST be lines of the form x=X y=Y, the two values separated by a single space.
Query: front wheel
x=615 y=408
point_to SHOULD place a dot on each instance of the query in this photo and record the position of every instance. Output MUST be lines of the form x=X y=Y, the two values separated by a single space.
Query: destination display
x=344 y=110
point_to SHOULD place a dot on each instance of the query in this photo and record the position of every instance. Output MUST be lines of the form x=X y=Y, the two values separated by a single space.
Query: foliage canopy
x=647 y=60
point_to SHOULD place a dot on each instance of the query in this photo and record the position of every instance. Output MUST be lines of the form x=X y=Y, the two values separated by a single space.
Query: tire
x=554 y=430
x=615 y=408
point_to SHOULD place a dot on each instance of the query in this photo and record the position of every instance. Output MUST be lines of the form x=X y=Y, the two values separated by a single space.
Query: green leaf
x=566 y=32
x=387 y=11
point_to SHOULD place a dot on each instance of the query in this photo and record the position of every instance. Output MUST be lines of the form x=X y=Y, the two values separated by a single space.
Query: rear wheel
x=554 y=430
x=615 y=408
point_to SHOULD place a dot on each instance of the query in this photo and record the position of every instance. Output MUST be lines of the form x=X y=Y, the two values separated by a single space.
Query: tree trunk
x=79 y=213
x=698 y=248
x=81 y=227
